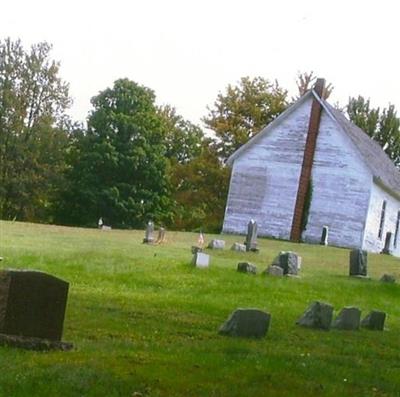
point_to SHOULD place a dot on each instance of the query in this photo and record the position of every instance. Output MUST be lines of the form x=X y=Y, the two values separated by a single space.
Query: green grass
x=143 y=321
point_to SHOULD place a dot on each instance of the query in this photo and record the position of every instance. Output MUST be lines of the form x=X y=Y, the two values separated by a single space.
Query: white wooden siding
x=341 y=188
x=273 y=167
x=371 y=241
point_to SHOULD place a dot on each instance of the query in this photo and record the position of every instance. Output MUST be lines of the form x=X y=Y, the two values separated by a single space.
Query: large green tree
x=381 y=125
x=118 y=166
x=243 y=110
x=182 y=138
x=33 y=137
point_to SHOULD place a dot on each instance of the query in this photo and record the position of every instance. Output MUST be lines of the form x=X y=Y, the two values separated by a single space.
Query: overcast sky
x=188 y=51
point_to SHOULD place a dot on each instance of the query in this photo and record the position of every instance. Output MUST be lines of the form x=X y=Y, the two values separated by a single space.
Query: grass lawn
x=144 y=322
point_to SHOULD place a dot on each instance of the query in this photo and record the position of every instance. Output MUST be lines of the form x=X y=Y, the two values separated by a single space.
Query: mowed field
x=145 y=323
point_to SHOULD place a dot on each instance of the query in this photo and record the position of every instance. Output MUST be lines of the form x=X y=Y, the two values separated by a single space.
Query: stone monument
x=251 y=238
x=149 y=238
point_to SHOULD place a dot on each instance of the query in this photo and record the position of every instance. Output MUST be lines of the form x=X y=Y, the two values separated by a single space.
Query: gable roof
x=268 y=128
x=382 y=168
x=379 y=163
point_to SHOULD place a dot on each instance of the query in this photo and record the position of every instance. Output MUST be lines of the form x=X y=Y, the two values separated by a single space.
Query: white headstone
x=201 y=259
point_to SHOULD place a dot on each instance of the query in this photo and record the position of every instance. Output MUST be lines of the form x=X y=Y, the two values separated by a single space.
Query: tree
x=181 y=137
x=118 y=169
x=33 y=133
x=243 y=110
x=382 y=126
x=200 y=191
x=306 y=80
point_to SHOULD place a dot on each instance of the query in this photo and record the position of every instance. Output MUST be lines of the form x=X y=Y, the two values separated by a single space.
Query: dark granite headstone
x=251 y=238
x=358 y=262
x=318 y=315
x=348 y=319
x=388 y=243
x=248 y=323
x=375 y=320
x=246 y=267
x=289 y=261
x=32 y=304
x=324 y=236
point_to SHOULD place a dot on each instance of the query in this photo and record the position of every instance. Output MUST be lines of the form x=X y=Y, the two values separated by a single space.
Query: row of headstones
x=254 y=323
x=289 y=263
x=286 y=263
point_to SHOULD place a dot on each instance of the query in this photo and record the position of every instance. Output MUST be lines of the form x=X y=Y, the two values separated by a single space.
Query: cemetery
x=127 y=313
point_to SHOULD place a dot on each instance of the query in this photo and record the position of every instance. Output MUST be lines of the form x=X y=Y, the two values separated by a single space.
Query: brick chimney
x=308 y=158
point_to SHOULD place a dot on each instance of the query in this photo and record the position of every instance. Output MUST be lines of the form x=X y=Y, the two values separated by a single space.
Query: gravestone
x=196 y=249
x=388 y=278
x=100 y=223
x=201 y=260
x=358 y=262
x=32 y=304
x=149 y=238
x=238 y=247
x=348 y=319
x=374 y=321
x=161 y=235
x=324 y=236
x=388 y=243
x=251 y=237
x=105 y=227
x=217 y=244
x=318 y=315
x=274 y=270
x=289 y=261
x=248 y=323
x=246 y=267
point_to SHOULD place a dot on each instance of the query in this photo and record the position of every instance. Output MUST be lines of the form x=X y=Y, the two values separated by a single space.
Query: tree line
x=133 y=160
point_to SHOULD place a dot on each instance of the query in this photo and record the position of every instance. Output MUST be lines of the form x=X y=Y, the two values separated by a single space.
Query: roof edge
x=268 y=128
x=378 y=181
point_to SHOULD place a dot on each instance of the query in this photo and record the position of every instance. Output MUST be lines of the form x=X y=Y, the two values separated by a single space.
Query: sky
x=189 y=51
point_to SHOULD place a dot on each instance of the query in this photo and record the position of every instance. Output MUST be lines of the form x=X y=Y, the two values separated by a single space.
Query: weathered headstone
x=149 y=238
x=274 y=270
x=32 y=304
x=248 y=323
x=388 y=243
x=100 y=223
x=246 y=267
x=324 y=236
x=318 y=315
x=251 y=237
x=289 y=261
x=161 y=235
x=217 y=244
x=238 y=247
x=388 y=278
x=358 y=262
x=348 y=319
x=201 y=260
x=106 y=228
x=196 y=249
x=375 y=321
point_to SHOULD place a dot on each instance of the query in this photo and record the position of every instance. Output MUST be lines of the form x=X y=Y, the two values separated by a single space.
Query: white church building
x=310 y=168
